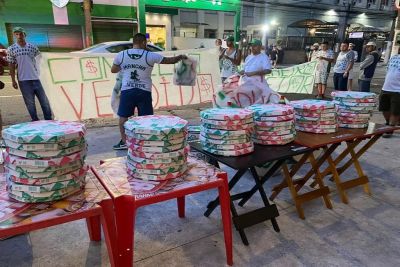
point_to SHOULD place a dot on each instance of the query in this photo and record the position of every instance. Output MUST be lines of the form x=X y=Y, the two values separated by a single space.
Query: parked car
x=115 y=47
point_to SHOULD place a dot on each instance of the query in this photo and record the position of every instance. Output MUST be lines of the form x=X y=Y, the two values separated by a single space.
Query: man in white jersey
x=21 y=55
x=256 y=65
x=136 y=65
x=389 y=100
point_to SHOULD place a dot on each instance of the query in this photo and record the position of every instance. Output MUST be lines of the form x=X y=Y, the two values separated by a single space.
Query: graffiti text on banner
x=298 y=79
x=79 y=86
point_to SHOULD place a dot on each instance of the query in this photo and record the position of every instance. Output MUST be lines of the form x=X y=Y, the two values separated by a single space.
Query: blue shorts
x=135 y=98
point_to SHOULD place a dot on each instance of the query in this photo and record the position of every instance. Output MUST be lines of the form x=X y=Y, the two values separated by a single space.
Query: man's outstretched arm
x=173 y=60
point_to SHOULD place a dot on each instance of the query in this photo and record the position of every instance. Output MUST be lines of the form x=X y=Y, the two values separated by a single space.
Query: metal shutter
x=112 y=31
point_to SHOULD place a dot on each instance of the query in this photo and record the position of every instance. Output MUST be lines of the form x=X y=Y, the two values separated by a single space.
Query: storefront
x=156 y=18
x=62 y=29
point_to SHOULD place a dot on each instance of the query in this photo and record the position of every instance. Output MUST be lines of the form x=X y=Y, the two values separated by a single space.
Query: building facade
x=313 y=20
x=62 y=29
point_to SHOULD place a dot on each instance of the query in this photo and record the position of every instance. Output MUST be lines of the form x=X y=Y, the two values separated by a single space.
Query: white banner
x=298 y=79
x=79 y=86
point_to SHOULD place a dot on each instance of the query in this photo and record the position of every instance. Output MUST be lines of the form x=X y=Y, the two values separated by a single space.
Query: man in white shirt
x=389 y=100
x=21 y=55
x=344 y=64
x=324 y=57
x=136 y=65
x=256 y=65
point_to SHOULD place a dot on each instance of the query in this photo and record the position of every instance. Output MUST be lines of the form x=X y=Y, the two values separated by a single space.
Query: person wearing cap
x=367 y=67
x=230 y=59
x=343 y=65
x=389 y=99
x=21 y=55
x=351 y=72
x=314 y=52
x=256 y=65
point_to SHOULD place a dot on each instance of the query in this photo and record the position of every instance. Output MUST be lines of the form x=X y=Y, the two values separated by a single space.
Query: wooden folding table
x=92 y=204
x=129 y=194
x=329 y=143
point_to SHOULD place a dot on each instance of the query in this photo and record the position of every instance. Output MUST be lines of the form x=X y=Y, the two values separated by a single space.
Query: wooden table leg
x=295 y=168
x=360 y=171
x=293 y=192
x=320 y=182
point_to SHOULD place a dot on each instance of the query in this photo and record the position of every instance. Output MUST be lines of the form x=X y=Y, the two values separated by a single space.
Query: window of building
x=210 y=33
x=248 y=11
x=188 y=32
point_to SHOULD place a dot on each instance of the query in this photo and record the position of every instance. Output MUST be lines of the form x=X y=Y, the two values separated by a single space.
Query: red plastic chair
x=112 y=175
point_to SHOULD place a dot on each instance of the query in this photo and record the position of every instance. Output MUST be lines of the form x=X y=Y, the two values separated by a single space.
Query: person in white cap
x=314 y=52
x=367 y=67
x=351 y=72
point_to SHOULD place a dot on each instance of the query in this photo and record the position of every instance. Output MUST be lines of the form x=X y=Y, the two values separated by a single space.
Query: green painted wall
x=41 y=12
x=226 y=5
x=23 y=11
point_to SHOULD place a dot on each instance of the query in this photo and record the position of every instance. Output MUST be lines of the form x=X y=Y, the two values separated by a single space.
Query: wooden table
x=92 y=204
x=329 y=143
x=129 y=194
x=261 y=155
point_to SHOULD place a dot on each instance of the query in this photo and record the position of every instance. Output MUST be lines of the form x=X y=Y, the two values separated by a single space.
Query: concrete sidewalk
x=364 y=233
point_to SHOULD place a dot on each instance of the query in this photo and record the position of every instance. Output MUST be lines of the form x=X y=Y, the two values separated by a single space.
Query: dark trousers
x=364 y=86
x=29 y=90
x=340 y=82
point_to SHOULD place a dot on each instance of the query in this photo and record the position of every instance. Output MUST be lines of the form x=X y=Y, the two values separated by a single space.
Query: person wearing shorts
x=324 y=57
x=389 y=99
x=136 y=65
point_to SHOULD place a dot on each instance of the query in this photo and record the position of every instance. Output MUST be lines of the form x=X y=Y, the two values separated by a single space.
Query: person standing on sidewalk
x=21 y=55
x=367 y=67
x=230 y=59
x=314 y=52
x=324 y=57
x=344 y=64
x=389 y=99
x=273 y=56
x=351 y=72
x=136 y=65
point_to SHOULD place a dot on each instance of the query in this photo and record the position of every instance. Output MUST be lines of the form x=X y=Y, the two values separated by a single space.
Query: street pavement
x=365 y=232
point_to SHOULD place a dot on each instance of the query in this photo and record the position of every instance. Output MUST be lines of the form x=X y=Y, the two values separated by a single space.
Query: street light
x=265 y=27
x=331 y=12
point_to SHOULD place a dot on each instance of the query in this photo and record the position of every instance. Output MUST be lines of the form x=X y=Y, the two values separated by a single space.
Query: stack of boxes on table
x=354 y=109
x=274 y=124
x=44 y=160
x=157 y=147
x=227 y=131
x=315 y=116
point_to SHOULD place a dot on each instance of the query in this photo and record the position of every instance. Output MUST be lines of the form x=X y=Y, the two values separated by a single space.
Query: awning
x=357 y=27
x=313 y=23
